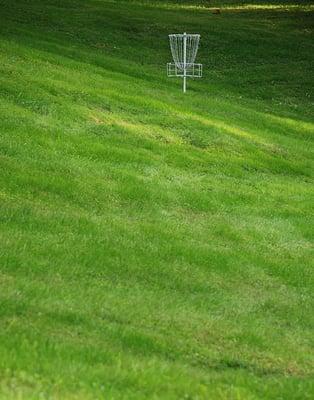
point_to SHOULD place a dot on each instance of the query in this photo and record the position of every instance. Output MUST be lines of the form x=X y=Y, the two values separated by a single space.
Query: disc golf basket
x=184 y=49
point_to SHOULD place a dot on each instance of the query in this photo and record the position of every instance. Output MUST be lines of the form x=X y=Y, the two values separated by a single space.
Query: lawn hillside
x=155 y=245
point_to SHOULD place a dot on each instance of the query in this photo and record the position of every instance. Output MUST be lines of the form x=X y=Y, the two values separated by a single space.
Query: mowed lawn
x=155 y=245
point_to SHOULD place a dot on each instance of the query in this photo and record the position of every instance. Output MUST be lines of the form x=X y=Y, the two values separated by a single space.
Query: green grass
x=155 y=245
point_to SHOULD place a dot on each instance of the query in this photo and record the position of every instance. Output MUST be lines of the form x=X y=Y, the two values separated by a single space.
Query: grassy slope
x=155 y=245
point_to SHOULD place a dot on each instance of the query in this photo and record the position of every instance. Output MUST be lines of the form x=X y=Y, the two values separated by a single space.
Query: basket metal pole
x=184 y=62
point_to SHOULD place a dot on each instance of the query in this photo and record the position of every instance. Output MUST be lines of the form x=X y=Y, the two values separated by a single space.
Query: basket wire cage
x=184 y=49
